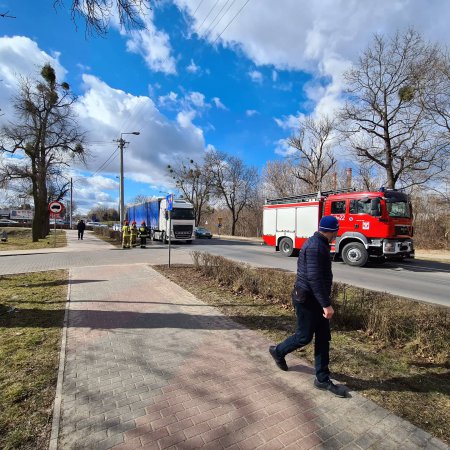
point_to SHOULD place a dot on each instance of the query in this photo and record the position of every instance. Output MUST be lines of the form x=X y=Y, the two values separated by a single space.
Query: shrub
x=423 y=329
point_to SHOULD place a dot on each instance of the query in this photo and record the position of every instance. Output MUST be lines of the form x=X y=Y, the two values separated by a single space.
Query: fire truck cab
x=374 y=224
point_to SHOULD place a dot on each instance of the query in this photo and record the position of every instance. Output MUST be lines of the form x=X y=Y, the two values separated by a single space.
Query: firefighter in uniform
x=143 y=234
x=134 y=233
x=126 y=235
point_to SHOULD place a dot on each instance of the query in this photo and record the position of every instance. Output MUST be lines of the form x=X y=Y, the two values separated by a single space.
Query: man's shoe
x=338 y=390
x=279 y=360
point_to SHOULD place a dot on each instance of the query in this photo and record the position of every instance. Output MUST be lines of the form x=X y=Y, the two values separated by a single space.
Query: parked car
x=58 y=222
x=96 y=224
x=7 y=222
x=201 y=232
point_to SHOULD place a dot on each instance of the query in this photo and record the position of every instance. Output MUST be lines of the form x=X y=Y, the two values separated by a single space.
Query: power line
x=107 y=162
x=231 y=21
x=223 y=7
x=207 y=15
x=182 y=80
x=198 y=6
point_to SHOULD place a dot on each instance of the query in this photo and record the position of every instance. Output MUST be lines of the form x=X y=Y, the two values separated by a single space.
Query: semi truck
x=372 y=224
x=156 y=216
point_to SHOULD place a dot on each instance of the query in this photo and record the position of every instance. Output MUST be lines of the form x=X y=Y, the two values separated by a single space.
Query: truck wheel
x=355 y=254
x=286 y=247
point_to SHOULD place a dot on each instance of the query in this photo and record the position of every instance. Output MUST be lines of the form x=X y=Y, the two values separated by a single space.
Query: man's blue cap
x=328 y=223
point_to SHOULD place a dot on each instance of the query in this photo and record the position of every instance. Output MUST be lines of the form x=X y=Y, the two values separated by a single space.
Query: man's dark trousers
x=310 y=322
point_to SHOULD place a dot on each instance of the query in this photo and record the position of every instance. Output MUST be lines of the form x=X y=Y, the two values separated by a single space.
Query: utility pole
x=122 y=143
x=121 y=201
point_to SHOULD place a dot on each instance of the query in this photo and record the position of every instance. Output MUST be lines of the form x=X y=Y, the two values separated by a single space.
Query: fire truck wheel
x=286 y=247
x=355 y=254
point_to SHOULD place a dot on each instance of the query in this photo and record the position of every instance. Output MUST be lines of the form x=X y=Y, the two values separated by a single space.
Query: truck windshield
x=398 y=208
x=183 y=214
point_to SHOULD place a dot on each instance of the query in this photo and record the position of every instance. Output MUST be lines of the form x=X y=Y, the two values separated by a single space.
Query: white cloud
x=154 y=47
x=171 y=97
x=16 y=52
x=217 y=102
x=197 y=99
x=256 y=76
x=251 y=112
x=106 y=112
x=192 y=67
x=289 y=122
x=325 y=36
x=274 y=76
x=282 y=148
x=185 y=118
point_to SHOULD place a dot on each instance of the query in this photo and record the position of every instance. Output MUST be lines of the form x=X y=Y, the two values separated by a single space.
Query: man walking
x=81 y=226
x=311 y=300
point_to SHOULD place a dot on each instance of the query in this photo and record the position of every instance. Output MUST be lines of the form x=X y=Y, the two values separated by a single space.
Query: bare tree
x=140 y=198
x=314 y=160
x=44 y=139
x=385 y=122
x=195 y=181
x=279 y=179
x=234 y=183
x=103 y=213
x=98 y=13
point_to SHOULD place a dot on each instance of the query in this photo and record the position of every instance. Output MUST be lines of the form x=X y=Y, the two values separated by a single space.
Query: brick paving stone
x=149 y=365
x=171 y=440
x=129 y=445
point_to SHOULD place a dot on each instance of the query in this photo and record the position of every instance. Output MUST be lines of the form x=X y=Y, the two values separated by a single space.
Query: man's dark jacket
x=81 y=226
x=314 y=273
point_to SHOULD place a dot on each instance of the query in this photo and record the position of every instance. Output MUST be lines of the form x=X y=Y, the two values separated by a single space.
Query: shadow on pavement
x=109 y=320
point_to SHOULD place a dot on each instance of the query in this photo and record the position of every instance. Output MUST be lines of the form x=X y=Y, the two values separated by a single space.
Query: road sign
x=169 y=199
x=55 y=207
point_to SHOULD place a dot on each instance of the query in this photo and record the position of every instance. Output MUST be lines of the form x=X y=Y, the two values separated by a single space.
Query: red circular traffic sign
x=55 y=207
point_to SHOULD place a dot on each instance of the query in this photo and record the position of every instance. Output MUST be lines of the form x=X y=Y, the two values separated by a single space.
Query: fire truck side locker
x=287 y=227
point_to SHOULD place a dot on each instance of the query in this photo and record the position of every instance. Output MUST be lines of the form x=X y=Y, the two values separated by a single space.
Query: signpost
x=55 y=208
x=169 y=199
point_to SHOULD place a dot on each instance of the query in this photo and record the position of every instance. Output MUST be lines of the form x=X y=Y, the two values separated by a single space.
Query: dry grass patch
x=394 y=351
x=21 y=239
x=31 y=319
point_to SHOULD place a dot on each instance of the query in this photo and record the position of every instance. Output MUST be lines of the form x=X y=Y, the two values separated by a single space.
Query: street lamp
x=121 y=146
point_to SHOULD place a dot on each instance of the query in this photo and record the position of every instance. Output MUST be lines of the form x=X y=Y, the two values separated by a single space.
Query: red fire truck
x=371 y=224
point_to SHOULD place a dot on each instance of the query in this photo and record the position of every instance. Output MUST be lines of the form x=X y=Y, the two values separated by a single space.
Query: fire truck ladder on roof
x=306 y=197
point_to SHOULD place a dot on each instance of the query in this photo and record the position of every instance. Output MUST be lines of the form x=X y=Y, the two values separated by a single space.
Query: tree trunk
x=233 y=226
x=40 y=220
x=41 y=226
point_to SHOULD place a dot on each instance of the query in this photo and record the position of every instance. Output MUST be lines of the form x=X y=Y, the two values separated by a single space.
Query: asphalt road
x=422 y=280
x=428 y=281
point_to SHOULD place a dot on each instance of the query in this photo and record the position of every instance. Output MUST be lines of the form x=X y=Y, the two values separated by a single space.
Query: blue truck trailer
x=155 y=214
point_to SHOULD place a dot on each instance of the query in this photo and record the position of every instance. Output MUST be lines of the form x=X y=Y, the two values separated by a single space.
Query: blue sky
x=186 y=90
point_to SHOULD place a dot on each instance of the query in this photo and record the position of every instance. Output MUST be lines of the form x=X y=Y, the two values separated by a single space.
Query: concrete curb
x=53 y=445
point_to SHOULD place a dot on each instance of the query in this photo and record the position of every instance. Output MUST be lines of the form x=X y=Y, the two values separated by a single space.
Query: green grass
x=31 y=318
x=399 y=375
x=20 y=239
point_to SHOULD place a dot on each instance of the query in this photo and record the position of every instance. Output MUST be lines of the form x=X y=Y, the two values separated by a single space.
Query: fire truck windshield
x=183 y=214
x=397 y=208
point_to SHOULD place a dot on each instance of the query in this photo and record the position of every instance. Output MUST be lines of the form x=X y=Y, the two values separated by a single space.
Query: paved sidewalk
x=148 y=365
